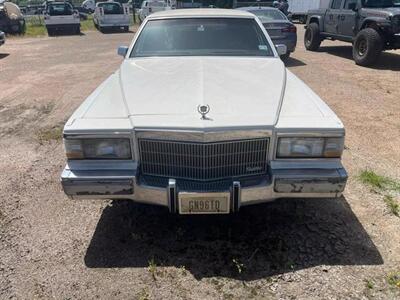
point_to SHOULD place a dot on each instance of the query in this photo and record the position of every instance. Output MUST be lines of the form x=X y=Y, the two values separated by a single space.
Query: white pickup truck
x=61 y=16
x=151 y=6
x=111 y=15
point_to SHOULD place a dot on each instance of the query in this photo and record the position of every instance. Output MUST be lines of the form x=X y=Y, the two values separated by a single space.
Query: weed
x=394 y=279
x=152 y=268
x=183 y=270
x=239 y=266
x=144 y=295
x=49 y=134
x=378 y=181
x=393 y=206
x=369 y=284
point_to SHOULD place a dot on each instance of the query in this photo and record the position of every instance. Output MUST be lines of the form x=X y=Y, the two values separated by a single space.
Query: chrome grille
x=203 y=161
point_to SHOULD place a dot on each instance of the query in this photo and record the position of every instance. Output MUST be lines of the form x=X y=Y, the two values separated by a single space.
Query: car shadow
x=112 y=31
x=261 y=240
x=4 y=55
x=293 y=62
x=66 y=33
x=386 y=61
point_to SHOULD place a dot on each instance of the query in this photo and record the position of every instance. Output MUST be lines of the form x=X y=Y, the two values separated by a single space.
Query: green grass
x=392 y=205
x=87 y=25
x=378 y=181
x=384 y=186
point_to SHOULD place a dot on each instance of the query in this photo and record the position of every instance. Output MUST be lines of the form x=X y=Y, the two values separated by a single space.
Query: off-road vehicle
x=372 y=26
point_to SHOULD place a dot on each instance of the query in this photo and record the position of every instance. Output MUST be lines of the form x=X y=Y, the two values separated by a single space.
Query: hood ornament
x=203 y=110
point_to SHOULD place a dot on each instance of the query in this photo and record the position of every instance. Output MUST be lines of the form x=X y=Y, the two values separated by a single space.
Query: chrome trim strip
x=172 y=195
x=202 y=135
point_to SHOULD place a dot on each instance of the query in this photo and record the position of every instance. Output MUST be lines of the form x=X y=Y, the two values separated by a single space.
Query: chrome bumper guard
x=278 y=183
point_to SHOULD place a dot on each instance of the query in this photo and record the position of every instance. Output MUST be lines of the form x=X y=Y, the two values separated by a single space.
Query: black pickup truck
x=370 y=25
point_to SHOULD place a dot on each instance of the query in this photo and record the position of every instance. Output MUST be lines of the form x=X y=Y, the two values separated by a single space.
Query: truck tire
x=312 y=38
x=367 y=47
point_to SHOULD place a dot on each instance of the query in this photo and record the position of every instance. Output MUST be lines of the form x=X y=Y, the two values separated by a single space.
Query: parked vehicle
x=299 y=8
x=203 y=117
x=372 y=26
x=2 y=38
x=83 y=12
x=111 y=15
x=152 y=6
x=247 y=3
x=11 y=19
x=90 y=5
x=278 y=26
x=60 y=16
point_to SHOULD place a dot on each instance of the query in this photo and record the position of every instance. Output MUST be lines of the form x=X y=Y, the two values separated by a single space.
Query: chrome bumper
x=278 y=183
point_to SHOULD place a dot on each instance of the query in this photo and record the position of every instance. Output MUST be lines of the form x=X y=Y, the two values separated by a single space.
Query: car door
x=347 y=18
x=332 y=16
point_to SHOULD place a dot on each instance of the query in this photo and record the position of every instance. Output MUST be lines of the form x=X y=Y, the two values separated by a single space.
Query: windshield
x=268 y=15
x=59 y=9
x=202 y=37
x=377 y=3
x=111 y=8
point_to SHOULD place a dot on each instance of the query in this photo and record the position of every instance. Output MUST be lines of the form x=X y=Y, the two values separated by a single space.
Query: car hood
x=166 y=92
x=383 y=12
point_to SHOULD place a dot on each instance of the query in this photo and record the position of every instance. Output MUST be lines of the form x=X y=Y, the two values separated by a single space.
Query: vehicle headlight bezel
x=93 y=148
x=307 y=147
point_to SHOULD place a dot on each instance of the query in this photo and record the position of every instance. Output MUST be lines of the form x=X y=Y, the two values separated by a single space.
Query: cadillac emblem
x=203 y=110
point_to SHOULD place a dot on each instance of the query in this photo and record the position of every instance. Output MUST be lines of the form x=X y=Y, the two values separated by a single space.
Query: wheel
x=78 y=30
x=100 y=28
x=126 y=28
x=312 y=39
x=50 y=32
x=367 y=47
x=285 y=57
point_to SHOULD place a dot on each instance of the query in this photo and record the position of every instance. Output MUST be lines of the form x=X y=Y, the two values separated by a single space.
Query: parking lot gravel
x=53 y=247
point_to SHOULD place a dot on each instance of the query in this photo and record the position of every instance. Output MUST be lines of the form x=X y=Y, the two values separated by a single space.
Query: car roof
x=201 y=12
x=251 y=8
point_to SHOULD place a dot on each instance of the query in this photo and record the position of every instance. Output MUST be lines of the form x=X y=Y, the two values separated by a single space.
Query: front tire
x=367 y=47
x=312 y=38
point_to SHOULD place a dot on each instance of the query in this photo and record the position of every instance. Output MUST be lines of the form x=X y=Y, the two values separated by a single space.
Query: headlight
x=98 y=148
x=289 y=147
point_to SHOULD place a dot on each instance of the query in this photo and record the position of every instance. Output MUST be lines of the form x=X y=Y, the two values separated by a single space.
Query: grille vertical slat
x=203 y=161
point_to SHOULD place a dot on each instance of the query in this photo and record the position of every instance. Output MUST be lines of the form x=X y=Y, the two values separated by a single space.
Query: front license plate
x=203 y=203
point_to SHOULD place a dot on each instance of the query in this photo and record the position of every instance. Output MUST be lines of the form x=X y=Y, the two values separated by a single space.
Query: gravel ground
x=52 y=247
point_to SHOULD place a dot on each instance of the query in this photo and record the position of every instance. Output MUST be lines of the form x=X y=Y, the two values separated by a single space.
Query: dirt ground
x=53 y=247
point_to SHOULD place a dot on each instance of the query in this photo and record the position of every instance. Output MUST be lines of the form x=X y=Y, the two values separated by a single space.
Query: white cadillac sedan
x=202 y=117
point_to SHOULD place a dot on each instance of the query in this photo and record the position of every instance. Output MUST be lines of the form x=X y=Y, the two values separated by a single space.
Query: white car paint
x=158 y=97
x=102 y=20
x=89 y=5
x=148 y=92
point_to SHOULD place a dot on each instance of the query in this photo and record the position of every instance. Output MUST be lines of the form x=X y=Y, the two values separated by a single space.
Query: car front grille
x=203 y=161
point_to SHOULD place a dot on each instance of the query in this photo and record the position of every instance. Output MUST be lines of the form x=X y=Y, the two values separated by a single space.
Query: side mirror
x=353 y=6
x=122 y=50
x=281 y=49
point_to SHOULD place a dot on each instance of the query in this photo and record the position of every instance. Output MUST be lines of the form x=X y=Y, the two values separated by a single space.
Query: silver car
x=278 y=26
